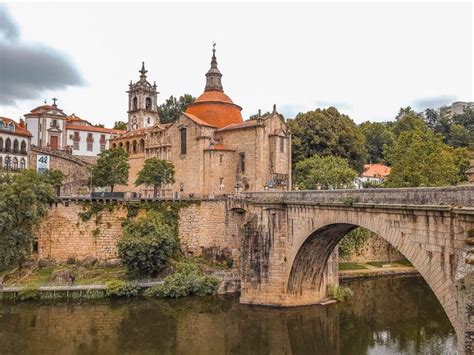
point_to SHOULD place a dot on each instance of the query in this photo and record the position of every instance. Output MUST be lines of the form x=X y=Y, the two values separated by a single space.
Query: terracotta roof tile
x=93 y=129
x=20 y=129
x=198 y=120
x=243 y=125
x=375 y=170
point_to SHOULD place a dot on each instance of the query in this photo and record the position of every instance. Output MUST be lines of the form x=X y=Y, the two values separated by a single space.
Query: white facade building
x=14 y=145
x=51 y=128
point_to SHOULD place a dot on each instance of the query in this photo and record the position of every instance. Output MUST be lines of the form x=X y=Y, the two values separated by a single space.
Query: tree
x=326 y=172
x=155 y=172
x=462 y=161
x=408 y=120
x=378 y=135
x=173 y=108
x=147 y=244
x=55 y=178
x=466 y=120
x=111 y=169
x=459 y=136
x=120 y=125
x=327 y=132
x=420 y=158
x=24 y=201
x=100 y=125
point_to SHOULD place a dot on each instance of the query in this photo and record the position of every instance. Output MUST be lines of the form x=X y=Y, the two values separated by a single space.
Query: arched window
x=135 y=103
x=15 y=164
x=1 y=162
x=23 y=147
x=114 y=145
x=8 y=144
x=134 y=145
x=22 y=163
x=127 y=146
x=141 y=147
x=121 y=145
x=11 y=127
x=16 y=145
x=148 y=104
x=1 y=145
x=183 y=138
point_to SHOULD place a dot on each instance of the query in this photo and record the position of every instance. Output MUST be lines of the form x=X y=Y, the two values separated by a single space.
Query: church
x=214 y=151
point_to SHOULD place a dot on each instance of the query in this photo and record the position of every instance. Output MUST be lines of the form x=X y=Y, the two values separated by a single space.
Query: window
x=221 y=183
x=8 y=144
x=282 y=144
x=181 y=186
x=90 y=142
x=16 y=146
x=148 y=120
x=242 y=162
x=1 y=144
x=102 y=147
x=75 y=141
x=22 y=163
x=183 y=135
x=103 y=141
x=23 y=147
x=135 y=103
x=15 y=164
x=221 y=158
x=148 y=104
x=54 y=123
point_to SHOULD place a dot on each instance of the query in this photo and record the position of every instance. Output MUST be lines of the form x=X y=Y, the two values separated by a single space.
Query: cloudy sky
x=366 y=59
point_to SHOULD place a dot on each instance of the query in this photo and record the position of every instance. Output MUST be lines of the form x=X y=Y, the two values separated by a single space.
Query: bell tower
x=142 y=103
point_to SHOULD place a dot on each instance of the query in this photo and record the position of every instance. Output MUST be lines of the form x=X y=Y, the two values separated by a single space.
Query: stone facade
x=213 y=150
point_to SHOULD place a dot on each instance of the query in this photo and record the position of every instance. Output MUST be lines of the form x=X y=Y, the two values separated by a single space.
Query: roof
x=215 y=108
x=219 y=147
x=198 y=120
x=93 y=129
x=45 y=108
x=134 y=133
x=375 y=170
x=20 y=128
x=243 y=125
x=76 y=119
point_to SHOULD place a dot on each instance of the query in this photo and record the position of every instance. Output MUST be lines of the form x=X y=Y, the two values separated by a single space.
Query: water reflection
x=386 y=316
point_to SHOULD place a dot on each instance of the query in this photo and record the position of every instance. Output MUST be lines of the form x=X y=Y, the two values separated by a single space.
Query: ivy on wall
x=353 y=241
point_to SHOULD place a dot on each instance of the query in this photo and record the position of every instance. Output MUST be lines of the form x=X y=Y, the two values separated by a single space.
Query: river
x=397 y=315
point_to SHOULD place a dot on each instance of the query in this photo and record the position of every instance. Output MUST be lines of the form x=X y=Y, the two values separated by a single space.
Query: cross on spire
x=213 y=76
x=54 y=101
x=143 y=71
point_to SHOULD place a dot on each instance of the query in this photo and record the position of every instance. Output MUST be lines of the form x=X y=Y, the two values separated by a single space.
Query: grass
x=351 y=266
x=398 y=263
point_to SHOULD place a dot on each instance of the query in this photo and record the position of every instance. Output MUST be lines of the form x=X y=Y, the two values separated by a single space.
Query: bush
x=118 y=288
x=339 y=293
x=353 y=241
x=29 y=292
x=188 y=280
x=147 y=244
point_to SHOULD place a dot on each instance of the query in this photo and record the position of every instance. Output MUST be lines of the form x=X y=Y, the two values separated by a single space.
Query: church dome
x=213 y=106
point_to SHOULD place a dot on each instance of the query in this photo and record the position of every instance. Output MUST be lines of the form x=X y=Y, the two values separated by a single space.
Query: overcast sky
x=368 y=60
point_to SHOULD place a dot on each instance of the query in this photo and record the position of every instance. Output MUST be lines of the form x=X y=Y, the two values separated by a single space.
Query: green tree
x=327 y=132
x=421 y=158
x=120 y=125
x=55 y=179
x=408 y=120
x=111 y=168
x=378 y=135
x=467 y=121
x=24 y=201
x=173 y=107
x=154 y=173
x=459 y=136
x=326 y=172
x=147 y=244
x=462 y=161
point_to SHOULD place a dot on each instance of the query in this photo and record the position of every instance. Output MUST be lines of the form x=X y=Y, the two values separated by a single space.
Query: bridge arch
x=315 y=242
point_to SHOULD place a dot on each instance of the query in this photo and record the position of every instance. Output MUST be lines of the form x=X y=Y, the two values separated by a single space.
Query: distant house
x=14 y=144
x=373 y=173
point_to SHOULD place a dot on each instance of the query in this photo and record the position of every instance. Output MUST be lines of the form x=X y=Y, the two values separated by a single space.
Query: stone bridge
x=288 y=243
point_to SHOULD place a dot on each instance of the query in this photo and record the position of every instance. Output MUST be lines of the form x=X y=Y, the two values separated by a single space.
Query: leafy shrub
x=118 y=288
x=339 y=293
x=147 y=244
x=29 y=292
x=353 y=241
x=188 y=280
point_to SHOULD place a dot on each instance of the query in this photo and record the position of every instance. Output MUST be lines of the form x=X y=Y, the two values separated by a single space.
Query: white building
x=52 y=128
x=14 y=144
x=373 y=173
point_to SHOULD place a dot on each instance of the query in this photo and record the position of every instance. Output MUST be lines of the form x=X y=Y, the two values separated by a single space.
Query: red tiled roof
x=215 y=108
x=134 y=133
x=375 y=170
x=198 y=120
x=74 y=118
x=219 y=147
x=93 y=129
x=44 y=108
x=246 y=124
x=20 y=129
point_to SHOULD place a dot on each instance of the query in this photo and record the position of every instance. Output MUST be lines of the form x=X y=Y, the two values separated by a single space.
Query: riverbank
x=350 y=271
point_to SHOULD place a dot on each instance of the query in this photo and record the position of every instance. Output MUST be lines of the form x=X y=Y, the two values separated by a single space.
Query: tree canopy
x=24 y=201
x=154 y=173
x=120 y=125
x=419 y=157
x=327 y=132
x=326 y=172
x=378 y=136
x=111 y=168
x=407 y=120
x=173 y=107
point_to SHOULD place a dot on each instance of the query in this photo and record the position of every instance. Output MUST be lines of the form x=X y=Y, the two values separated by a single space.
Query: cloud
x=28 y=69
x=432 y=102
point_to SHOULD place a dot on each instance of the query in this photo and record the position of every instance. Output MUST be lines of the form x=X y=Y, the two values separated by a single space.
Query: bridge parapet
x=453 y=196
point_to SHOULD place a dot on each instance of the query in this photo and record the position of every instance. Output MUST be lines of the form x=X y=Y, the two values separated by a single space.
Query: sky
x=366 y=59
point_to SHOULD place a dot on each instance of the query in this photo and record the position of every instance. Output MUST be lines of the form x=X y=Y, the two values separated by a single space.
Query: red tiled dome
x=216 y=108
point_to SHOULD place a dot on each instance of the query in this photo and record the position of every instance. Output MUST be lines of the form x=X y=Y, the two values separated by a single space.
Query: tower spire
x=143 y=72
x=213 y=76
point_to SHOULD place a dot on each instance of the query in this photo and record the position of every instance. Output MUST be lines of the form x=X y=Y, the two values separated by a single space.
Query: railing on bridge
x=453 y=196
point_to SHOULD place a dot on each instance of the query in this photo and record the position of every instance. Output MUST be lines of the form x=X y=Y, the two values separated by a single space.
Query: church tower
x=142 y=103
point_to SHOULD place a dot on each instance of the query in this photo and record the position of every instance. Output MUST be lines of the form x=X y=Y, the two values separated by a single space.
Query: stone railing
x=455 y=196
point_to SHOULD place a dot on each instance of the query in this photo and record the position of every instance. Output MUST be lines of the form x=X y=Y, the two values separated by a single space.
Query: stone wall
x=204 y=230
x=374 y=249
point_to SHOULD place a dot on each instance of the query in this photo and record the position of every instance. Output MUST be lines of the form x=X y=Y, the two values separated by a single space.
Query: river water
x=398 y=315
